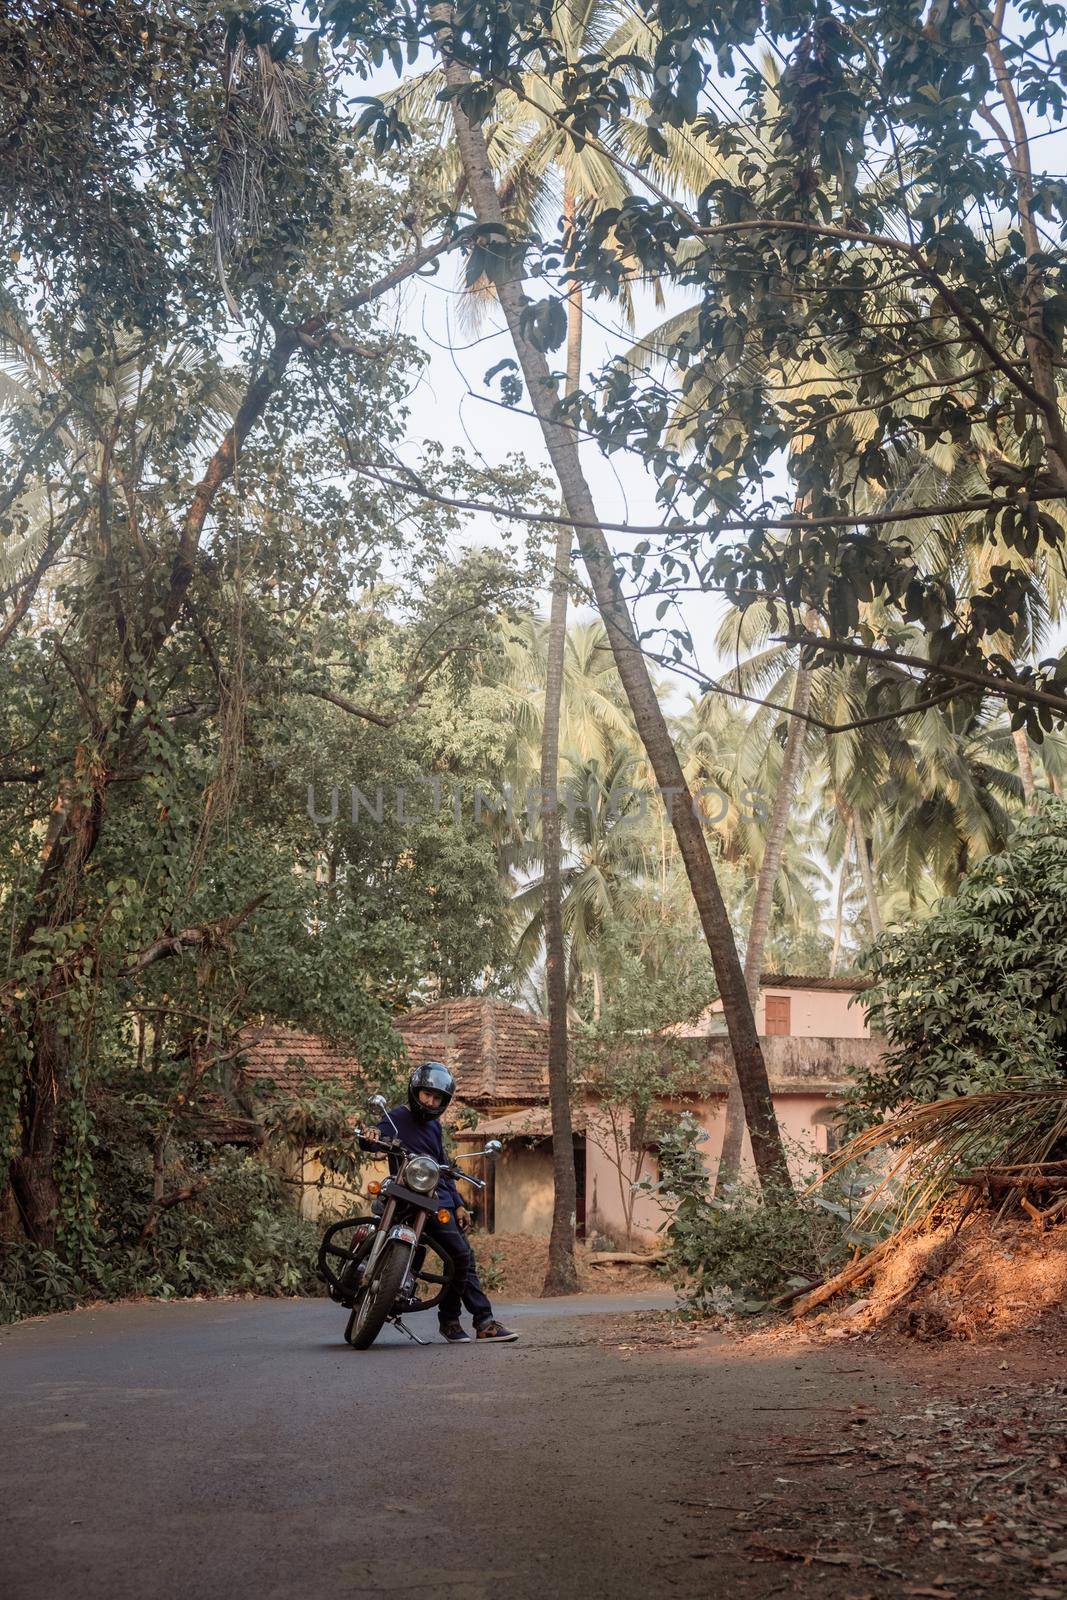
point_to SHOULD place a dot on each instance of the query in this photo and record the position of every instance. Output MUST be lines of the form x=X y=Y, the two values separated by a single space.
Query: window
x=776 y=1015
x=827 y=1130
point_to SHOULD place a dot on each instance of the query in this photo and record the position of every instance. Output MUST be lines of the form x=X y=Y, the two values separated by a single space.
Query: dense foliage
x=241 y=1236
x=192 y=641
x=861 y=308
x=972 y=999
x=737 y=1249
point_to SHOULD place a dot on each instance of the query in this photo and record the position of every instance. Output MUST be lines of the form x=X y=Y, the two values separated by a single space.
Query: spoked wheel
x=375 y=1302
x=338 y=1255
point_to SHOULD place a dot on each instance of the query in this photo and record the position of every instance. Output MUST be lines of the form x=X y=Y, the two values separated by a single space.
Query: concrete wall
x=332 y=1199
x=818 y=1013
x=813 y=1013
x=523 y=1197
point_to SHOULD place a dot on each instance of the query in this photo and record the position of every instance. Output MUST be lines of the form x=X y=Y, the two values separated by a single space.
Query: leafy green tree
x=188 y=539
x=972 y=999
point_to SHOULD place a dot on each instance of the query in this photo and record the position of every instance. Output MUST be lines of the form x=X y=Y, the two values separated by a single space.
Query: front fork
x=386 y=1231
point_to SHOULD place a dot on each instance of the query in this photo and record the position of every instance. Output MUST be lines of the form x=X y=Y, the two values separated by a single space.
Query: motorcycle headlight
x=420 y=1174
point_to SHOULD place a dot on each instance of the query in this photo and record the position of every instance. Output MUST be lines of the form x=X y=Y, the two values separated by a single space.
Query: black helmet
x=431 y=1075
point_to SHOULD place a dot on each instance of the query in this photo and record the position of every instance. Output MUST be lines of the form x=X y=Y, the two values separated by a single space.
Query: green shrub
x=973 y=999
x=239 y=1234
x=737 y=1250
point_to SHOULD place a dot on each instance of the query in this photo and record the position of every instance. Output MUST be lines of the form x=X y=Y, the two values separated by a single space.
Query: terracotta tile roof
x=785 y=980
x=214 y=1118
x=497 y=1052
x=533 y=1123
x=290 y=1059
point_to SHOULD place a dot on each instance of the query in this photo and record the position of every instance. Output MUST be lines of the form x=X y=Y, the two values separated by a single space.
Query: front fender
x=398 y=1233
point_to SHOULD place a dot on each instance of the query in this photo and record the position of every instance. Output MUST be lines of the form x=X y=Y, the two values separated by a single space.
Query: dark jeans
x=464 y=1289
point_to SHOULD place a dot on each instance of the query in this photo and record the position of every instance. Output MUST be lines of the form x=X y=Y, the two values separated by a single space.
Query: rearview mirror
x=494 y=1147
x=379 y=1102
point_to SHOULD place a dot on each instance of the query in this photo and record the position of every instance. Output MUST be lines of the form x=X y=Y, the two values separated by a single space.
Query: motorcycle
x=376 y=1266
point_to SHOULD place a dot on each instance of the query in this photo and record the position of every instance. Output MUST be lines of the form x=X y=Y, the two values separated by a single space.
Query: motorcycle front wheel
x=375 y=1302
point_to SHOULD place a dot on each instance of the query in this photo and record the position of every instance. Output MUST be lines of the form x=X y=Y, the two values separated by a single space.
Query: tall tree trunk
x=629 y=661
x=839 y=910
x=32 y=1171
x=1026 y=766
x=562 y=1275
x=734 y=1132
x=863 y=861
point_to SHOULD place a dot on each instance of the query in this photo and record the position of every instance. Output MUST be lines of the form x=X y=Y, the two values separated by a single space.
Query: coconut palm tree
x=594 y=715
x=540 y=171
x=606 y=857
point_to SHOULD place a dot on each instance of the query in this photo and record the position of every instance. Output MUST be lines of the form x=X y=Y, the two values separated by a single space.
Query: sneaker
x=454 y=1333
x=496 y=1332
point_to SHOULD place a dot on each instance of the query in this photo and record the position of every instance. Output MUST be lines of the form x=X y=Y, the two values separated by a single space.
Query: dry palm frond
x=934 y=1145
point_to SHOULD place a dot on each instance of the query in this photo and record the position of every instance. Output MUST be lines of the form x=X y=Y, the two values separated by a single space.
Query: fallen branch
x=627 y=1258
x=856 y=1272
x=1041 y=1219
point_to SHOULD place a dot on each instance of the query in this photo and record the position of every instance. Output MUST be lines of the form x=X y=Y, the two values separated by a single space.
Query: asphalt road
x=241 y=1449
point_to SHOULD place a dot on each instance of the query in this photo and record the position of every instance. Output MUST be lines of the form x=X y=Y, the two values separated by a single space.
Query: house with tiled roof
x=497 y=1052
x=814 y=1035
x=289 y=1059
x=813 y=1032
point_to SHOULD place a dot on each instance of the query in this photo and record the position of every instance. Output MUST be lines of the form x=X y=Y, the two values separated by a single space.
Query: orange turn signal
x=374 y=1187
x=443 y=1215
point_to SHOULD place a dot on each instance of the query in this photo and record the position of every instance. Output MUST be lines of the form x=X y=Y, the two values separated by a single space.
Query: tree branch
x=349 y=706
x=33 y=582
x=854 y=519
x=222 y=464
x=1005 y=688
x=204 y=936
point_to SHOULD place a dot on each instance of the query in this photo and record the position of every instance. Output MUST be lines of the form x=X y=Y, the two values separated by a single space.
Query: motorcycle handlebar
x=372 y=1146
x=475 y=1183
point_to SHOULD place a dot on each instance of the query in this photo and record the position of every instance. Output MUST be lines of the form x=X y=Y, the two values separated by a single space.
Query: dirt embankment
x=988 y=1279
x=514 y=1264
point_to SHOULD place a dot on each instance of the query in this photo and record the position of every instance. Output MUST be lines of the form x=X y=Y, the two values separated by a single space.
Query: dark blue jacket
x=424 y=1139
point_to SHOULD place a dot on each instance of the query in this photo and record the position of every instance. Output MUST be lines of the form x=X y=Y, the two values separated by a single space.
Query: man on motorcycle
x=418 y=1127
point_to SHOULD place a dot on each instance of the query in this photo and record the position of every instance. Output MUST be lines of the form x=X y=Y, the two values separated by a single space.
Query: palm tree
x=539 y=172
x=594 y=715
x=605 y=858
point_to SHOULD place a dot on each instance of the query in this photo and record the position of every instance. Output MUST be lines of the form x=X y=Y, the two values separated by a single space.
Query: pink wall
x=604 y=1203
x=819 y=1013
x=813 y=1013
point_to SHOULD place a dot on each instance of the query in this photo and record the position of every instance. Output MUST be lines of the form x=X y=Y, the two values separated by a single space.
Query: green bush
x=737 y=1250
x=239 y=1234
x=973 y=999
